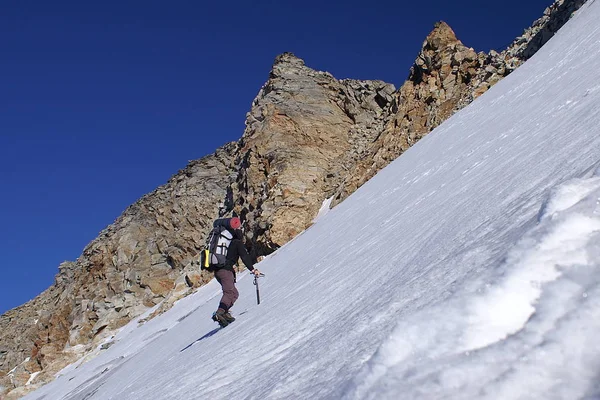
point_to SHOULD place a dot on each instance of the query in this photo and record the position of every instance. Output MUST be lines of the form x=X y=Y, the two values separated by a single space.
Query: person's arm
x=243 y=253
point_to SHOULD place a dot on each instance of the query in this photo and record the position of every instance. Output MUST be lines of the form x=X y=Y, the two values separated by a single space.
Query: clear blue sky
x=101 y=102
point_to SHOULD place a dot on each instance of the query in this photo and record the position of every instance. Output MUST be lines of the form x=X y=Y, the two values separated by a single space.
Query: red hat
x=235 y=223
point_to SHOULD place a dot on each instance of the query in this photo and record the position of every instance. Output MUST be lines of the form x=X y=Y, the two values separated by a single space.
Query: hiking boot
x=229 y=317
x=219 y=317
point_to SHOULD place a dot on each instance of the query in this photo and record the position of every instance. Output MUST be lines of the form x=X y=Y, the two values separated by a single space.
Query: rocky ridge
x=446 y=77
x=305 y=127
x=144 y=258
x=308 y=137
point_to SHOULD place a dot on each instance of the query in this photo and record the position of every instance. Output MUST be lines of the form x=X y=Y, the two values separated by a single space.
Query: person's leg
x=230 y=292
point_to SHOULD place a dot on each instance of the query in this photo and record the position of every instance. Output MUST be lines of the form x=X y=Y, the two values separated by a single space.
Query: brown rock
x=304 y=124
x=105 y=288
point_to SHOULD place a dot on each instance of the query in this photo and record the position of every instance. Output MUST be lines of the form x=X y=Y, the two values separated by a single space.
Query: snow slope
x=468 y=268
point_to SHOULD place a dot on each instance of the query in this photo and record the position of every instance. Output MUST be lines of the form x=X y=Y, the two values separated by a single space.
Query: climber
x=225 y=272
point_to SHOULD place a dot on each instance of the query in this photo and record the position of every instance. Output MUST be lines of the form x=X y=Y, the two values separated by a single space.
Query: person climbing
x=225 y=272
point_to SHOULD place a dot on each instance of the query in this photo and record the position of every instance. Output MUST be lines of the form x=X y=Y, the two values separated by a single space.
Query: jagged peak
x=288 y=64
x=437 y=51
x=288 y=58
x=440 y=37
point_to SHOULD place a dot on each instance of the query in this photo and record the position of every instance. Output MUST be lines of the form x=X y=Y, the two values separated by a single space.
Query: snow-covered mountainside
x=468 y=268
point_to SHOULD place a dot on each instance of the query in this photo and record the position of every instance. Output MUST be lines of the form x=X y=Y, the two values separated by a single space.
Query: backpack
x=215 y=255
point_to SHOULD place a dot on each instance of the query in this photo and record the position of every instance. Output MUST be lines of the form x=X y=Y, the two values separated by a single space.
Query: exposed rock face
x=495 y=66
x=308 y=137
x=446 y=77
x=138 y=261
x=542 y=30
x=304 y=126
x=440 y=79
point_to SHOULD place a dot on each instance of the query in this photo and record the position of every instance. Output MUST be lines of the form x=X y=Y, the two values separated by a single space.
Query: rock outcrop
x=446 y=77
x=304 y=128
x=308 y=137
x=142 y=259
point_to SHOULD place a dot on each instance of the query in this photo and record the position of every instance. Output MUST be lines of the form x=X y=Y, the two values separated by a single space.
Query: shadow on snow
x=209 y=334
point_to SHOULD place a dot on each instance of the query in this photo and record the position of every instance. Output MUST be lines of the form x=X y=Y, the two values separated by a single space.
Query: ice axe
x=256 y=284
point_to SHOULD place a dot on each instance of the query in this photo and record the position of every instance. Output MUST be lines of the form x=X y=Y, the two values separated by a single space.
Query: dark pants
x=230 y=294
